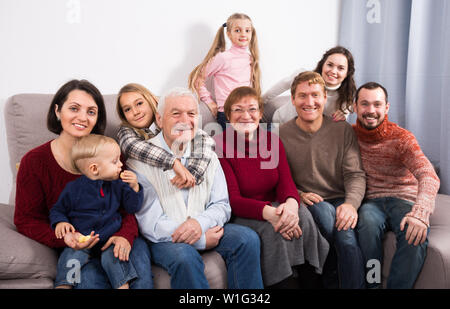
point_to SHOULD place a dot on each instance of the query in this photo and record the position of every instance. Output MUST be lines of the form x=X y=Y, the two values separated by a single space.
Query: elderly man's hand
x=188 y=232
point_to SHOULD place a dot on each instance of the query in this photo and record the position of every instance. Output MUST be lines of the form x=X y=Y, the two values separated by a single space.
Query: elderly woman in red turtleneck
x=264 y=197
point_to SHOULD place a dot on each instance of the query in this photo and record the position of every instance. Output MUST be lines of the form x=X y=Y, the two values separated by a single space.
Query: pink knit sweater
x=229 y=69
x=396 y=167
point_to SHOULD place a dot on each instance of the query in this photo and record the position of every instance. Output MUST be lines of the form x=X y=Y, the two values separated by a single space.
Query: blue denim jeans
x=376 y=216
x=239 y=247
x=71 y=262
x=350 y=265
x=93 y=275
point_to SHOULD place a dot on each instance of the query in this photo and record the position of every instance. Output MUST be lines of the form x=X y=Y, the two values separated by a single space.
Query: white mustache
x=181 y=127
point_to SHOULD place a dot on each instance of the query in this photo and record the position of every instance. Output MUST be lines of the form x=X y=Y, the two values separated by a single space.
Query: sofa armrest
x=20 y=256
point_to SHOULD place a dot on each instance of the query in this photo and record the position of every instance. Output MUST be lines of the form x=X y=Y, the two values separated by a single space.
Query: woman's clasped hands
x=284 y=219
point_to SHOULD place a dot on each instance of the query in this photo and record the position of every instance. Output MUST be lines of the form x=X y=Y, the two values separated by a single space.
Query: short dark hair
x=60 y=97
x=371 y=86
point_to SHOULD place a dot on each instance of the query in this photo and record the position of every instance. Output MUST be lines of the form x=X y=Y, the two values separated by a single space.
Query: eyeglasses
x=241 y=111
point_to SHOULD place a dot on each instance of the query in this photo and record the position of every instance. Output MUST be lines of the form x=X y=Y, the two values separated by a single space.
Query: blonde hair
x=197 y=75
x=88 y=147
x=147 y=95
x=310 y=77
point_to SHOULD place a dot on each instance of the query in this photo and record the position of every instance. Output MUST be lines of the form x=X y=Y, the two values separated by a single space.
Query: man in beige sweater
x=326 y=166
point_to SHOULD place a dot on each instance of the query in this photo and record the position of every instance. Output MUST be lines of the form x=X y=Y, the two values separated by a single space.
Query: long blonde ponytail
x=197 y=75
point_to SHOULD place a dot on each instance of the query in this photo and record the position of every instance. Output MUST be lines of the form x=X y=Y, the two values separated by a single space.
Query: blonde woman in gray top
x=337 y=69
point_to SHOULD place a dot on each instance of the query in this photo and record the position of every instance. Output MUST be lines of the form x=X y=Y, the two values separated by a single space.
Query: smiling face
x=309 y=101
x=179 y=120
x=240 y=33
x=245 y=115
x=78 y=114
x=136 y=110
x=335 y=69
x=371 y=107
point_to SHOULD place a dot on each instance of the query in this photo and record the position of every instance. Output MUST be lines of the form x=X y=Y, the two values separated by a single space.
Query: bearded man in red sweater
x=401 y=188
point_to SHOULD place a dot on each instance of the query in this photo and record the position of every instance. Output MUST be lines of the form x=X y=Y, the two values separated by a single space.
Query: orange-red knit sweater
x=396 y=167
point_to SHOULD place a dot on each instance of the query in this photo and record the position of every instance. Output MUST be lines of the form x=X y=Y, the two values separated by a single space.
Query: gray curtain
x=405 y=46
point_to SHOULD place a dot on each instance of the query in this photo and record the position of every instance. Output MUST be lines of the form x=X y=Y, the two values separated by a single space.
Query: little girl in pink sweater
x=232 y=68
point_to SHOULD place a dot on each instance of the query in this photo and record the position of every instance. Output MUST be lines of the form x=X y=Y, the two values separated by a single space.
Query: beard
x=371 y=121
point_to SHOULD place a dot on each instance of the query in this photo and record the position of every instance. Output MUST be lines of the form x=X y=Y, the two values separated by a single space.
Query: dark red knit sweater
x=40 y=180
x=251 y=184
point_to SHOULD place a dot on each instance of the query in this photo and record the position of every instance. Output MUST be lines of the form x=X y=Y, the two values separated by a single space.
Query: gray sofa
x=25 y=263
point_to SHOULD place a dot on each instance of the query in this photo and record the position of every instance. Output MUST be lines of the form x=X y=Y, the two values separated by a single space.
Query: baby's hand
x=130 y=178
x=62 y=228
x=78 y=241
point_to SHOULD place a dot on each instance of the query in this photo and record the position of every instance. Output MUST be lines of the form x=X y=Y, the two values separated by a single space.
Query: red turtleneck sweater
x=396 y=167
x=257 y=172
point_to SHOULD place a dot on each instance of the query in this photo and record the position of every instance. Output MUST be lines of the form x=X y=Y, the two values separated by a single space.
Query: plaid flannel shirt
x=134 y=146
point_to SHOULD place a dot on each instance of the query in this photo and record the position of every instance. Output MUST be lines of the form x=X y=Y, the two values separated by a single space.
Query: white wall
x=157 y=43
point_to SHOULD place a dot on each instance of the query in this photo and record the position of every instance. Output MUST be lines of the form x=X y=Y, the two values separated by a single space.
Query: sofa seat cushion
x=22 y=257
x=41 y=283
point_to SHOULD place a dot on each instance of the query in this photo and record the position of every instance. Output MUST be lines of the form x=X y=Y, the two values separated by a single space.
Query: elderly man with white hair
x=180 y=222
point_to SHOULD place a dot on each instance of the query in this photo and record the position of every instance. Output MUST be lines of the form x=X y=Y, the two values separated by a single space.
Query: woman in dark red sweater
x=76 y=110
x=263 y=195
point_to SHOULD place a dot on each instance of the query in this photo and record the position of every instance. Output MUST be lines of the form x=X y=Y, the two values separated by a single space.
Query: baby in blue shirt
x=90 y=204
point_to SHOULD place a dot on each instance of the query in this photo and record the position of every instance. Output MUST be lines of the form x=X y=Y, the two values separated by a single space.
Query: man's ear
x=93 y=168
x=387 y=107
x=158 y=120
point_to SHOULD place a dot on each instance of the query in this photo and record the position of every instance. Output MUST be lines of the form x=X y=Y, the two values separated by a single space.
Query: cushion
x=22 y=257
x=42 y=283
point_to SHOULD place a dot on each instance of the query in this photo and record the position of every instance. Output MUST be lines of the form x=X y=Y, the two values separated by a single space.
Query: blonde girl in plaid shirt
x=136 y=107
